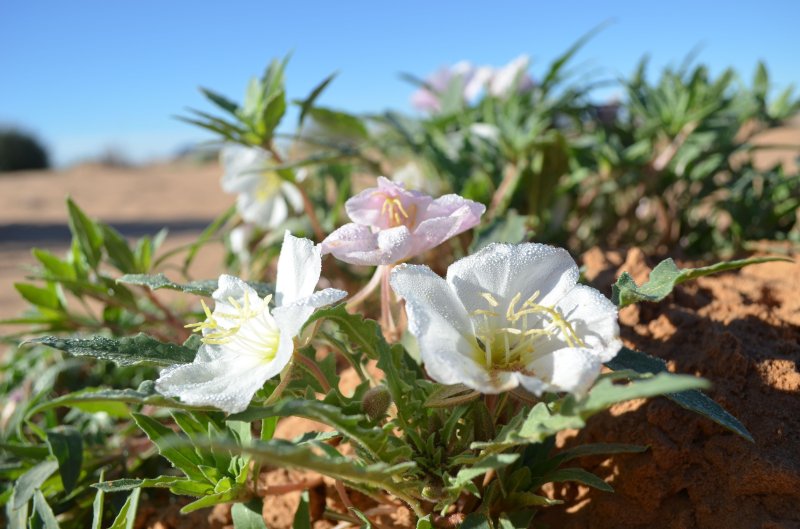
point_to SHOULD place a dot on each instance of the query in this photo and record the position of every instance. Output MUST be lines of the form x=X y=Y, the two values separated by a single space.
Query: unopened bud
x=376 y=401
x=432 y=492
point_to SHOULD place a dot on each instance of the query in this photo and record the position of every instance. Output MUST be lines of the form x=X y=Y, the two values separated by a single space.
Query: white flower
x=265 y=199
x=510 y=315
x=511 y=76
x=244 y=345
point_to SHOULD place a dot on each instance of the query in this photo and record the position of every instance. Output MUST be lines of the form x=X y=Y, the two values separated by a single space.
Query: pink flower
x=474 y=79
x=392 y=224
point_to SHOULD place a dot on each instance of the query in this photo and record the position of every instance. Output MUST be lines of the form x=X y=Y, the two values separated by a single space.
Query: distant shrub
x=20 y=151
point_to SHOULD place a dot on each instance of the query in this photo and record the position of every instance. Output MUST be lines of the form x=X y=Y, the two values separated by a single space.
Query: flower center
x=396 y=214
x=508 y=341
x=268 y=186
x=252 y=332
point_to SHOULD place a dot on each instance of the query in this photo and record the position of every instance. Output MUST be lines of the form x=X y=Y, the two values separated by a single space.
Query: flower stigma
x=508 y=341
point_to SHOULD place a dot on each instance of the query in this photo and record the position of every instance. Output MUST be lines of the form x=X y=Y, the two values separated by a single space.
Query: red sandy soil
x=741 y=331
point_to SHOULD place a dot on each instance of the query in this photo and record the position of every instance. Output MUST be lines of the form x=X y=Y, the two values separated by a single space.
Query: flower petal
x=227 y=382
x=439 y=322
x=291 y=318
x=572 y=370
x=230 y=290
x=594 y=318
x=446 y=217
x=242 y=167
x=505 y=270
x=369 y=207
x=356 y=244
x=299 y=268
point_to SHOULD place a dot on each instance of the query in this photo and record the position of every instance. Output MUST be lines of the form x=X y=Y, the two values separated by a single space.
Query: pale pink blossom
x=392 y=224
x=511 y=77
x=473 y=78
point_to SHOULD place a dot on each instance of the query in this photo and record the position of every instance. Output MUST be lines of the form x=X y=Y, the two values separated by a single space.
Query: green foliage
x=666 y=276
x=20 y=151
x=139 y=349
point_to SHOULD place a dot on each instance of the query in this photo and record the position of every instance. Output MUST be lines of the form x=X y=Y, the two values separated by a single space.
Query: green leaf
x=66 y=445
x=340 y=124
x=282 y=453
x=127 y=515
x=87 y=234
x=302 y=516
x=476 y=521
x=90 y=399
x=493 y=462
x=16 y=518
x=119 y=253
x=448 y=396
x=25 y=451
x=54 y=267
x=140 y=349
x=180 y=455
x=46 y=297
x=32 y=480
x=308 y=102
x=692 y=400
x=201 y=288
x=362 y=332
x=425 y=522
x=97 y=505
x=598 y=449
x=606 y=393
x=378 y=443
x=176 y=484
x=666 y=275
x=578 y=475
x=221 y=101
x=246 y=517
x=226 y=496
x=47 y=519
x=521 y=519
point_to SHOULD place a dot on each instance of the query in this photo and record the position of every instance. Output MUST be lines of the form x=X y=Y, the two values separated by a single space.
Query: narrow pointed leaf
x=45 y=514
x=66 y=445
x=139 y=349
x=578 y=475
x=127 y=515
x=32 y=480
x=692 y=400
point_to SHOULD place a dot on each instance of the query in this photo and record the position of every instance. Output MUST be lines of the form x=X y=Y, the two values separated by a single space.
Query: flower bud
x=376 y=401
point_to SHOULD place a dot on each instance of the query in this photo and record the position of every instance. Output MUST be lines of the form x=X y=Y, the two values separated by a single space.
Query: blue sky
x=87 y=75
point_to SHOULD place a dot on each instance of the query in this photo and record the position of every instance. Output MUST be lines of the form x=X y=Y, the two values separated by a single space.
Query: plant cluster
x=468 y=363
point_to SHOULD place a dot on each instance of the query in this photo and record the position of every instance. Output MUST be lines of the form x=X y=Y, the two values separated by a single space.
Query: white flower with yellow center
x=244 y=344
x=264 y=198
x=510 y=315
